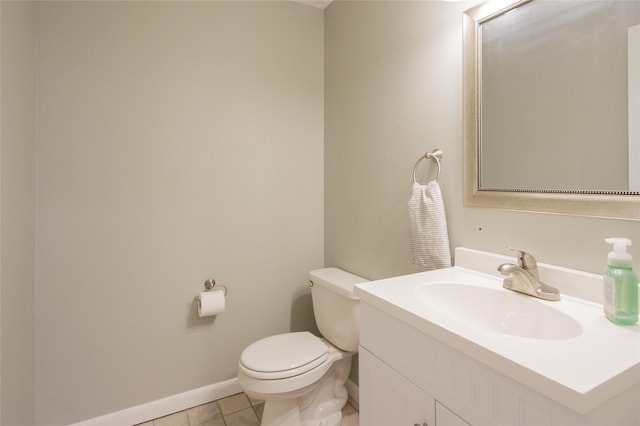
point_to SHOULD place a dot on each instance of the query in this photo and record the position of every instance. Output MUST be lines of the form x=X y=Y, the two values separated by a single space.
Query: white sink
x=498 y=310
x=566 y=350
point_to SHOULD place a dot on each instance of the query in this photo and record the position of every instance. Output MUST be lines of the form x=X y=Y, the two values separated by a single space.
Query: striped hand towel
x=429 y=237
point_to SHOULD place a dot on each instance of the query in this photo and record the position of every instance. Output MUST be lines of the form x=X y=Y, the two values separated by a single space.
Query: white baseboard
x=172 y=404
x=165 y=406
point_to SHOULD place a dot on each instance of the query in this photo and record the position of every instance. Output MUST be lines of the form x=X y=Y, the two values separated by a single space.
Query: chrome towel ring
x=435 y=155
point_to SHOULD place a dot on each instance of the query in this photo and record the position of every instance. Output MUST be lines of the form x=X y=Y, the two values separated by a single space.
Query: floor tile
x=234 y=403
x=202 y=413
x=245 y=417
x=347 y=409
x=176 y=419
x=217 y=421
x=236 y=410
x=353 y=403
x=351 y=419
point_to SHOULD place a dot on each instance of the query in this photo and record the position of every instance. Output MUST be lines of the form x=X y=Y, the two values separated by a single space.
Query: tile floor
x=236 y=410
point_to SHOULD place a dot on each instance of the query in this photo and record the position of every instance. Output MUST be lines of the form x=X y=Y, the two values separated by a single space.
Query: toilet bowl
x=300 y=376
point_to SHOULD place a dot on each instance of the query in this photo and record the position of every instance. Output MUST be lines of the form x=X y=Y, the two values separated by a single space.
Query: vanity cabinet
x=446 y=417
x=388 y=398
x=409 y=377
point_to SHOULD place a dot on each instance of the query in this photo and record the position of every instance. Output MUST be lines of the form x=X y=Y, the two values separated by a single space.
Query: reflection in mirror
x=552 y=106
x=554 y=113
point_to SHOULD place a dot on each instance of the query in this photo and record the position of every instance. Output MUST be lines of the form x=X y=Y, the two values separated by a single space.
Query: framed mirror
x=552 y=107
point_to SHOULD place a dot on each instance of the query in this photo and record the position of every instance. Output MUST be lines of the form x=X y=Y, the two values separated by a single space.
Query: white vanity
x=452 y=347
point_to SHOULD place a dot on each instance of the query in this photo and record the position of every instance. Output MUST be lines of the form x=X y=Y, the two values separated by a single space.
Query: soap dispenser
x=620 y=285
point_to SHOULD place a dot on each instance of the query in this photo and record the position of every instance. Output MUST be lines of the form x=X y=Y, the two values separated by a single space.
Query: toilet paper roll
x=211 y=303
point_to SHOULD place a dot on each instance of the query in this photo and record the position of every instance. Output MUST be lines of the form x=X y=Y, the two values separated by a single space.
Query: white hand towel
x=429 y=237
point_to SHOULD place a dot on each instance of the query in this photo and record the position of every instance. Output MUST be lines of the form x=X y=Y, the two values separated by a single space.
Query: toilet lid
x=284 y=355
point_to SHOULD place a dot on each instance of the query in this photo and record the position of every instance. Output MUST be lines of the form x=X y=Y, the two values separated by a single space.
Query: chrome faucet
x=523 y=277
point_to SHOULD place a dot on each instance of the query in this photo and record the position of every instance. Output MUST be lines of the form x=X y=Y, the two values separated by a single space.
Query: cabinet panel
x=387 y=398
x=446 y=417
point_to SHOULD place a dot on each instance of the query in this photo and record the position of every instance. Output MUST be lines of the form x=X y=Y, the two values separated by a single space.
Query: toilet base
x=319 y=405
x=283 y=412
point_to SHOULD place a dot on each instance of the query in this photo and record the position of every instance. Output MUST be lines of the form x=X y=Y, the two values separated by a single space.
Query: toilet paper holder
x=210 y=285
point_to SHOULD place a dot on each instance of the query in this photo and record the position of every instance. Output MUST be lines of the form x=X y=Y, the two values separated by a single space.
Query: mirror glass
x=552 y=105
x=554 y=111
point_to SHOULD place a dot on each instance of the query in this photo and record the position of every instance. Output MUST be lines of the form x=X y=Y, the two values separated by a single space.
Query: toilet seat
x=284 y=355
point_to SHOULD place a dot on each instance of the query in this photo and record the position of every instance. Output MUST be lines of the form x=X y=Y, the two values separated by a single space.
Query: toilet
x=301 y=377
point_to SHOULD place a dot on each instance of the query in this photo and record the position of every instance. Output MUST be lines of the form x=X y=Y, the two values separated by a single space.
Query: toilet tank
x=336 y=308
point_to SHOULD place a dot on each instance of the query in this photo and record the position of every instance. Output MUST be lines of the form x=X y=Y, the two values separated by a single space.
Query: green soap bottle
x=620 y=285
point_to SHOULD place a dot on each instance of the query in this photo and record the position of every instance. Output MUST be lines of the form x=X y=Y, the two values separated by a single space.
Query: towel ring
x=435 y=155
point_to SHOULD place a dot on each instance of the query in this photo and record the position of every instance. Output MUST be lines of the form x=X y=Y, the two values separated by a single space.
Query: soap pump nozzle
x=619 y=256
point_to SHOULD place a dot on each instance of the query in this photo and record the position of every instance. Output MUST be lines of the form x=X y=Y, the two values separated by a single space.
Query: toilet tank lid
x=337 y=280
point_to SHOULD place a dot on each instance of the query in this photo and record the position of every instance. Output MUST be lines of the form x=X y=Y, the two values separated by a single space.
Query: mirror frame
x=614 y=206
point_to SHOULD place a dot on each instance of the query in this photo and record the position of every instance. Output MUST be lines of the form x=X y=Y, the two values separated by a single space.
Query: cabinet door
x=388 y=399
x=446 y=417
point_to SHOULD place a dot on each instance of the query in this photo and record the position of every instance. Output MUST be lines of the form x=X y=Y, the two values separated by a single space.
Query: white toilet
x=300 y=376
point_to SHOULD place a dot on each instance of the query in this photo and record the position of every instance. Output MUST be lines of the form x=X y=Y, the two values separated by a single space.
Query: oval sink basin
x=498 y=310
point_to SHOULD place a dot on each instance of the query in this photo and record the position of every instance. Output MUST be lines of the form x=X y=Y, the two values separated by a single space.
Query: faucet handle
x=525 y=260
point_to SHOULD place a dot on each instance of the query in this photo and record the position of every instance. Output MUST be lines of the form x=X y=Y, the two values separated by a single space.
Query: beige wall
x=177 y=141
x=393 y=91
x=17 y=201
